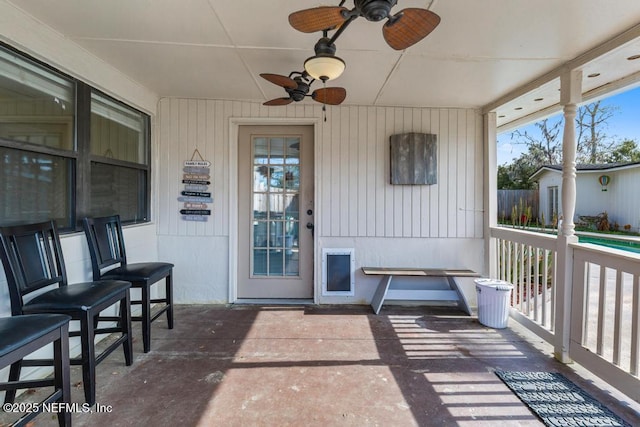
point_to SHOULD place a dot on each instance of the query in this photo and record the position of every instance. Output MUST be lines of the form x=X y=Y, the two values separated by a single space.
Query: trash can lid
x=497 y=284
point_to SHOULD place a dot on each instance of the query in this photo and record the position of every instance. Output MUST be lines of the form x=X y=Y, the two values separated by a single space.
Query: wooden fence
x=508 y=199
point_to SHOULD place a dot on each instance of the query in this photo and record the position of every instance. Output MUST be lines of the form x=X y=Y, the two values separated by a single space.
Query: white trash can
x=493 y=302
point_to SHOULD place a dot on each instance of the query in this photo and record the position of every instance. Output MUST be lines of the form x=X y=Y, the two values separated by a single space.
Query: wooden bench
x=424 y=292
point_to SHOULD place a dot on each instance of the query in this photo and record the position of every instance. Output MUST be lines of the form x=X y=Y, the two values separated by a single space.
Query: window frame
x=81 y=157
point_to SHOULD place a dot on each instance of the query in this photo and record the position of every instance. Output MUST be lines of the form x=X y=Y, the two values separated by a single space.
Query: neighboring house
x=616 y=195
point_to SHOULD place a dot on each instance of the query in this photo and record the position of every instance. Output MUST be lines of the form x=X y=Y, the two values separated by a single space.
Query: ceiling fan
x=401 y=30
x=298 y=84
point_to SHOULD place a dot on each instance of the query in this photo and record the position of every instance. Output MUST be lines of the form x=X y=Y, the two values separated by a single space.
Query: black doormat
x=558 y=401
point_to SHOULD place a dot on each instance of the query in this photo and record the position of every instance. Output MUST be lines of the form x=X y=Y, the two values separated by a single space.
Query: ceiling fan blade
x=317 y=18
x=279 y=80
x=330 y=95
x=279 y=101
x=408 y=27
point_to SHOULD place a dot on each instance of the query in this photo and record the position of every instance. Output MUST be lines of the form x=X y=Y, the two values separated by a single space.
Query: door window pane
x=260 y=234
x=260 y=206
x=276 y=202
x=292 y=210
x=293 y=151
x=276 y=151
x=275 y=263
x=276 y=177
x=260 y=262
x=260 y=178
x=292 y=178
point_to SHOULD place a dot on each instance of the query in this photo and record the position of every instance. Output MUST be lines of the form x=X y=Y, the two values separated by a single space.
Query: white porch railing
x=604 y=326
x=605 y=319
x=528 y=261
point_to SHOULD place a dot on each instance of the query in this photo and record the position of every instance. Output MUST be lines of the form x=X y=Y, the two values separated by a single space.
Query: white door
x=275 y=212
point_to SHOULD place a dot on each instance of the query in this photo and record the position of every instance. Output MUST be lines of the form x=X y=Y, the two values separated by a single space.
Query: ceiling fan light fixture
x=324 y=67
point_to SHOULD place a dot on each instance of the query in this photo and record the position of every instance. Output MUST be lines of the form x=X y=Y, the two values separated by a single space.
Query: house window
x=66 y=150
x=119 y=159
x=553 y=202
x=37 y=152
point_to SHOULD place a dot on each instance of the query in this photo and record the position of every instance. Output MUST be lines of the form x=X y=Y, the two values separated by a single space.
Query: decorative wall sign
x=196 y=178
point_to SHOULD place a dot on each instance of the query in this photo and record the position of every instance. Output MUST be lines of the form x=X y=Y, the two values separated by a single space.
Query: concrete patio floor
x=325 y=366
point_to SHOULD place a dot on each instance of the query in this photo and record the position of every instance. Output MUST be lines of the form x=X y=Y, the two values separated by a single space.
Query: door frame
x=234 y=195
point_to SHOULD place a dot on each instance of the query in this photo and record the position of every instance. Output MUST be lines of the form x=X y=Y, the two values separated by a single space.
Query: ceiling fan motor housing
x=299 y=92
x=375 y=10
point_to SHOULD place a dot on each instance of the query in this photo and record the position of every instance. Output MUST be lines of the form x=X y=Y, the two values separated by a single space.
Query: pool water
x=616 y=244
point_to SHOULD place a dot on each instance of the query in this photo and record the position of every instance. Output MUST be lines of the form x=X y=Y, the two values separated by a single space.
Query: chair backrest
x=106 y=244
x=32 y=259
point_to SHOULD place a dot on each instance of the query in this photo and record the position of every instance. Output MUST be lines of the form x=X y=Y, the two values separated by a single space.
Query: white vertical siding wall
x=355 y=198
x=624 y=190
x=590 y=199
x=353 y=165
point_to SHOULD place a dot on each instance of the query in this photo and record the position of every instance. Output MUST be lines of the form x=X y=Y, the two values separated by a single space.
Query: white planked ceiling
x=480 y=52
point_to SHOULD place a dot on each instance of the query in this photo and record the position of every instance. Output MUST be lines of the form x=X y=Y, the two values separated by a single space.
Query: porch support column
x=570 y=96
x=490 y=192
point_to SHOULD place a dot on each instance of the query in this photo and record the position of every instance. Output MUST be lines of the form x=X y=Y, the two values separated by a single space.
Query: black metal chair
x=32 y=259
x=109 y=260
x=21 y=336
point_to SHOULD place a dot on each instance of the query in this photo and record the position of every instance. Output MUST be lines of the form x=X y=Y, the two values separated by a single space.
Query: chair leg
x=146 y=318
x=62 y=373
x=169 y=294
x=125 y=325
x=88 y=358
x=14 y=375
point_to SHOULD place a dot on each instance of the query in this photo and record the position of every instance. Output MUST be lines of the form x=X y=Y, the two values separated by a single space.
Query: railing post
x=570 y=95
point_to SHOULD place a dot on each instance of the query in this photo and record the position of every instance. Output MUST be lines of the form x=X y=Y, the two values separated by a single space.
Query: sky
x=625 y=124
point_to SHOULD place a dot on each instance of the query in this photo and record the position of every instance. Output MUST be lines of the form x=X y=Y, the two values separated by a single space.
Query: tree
x=516 y=176
x=593 y=143
x=546 y=146
x=504 y=180
x=626 y=151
